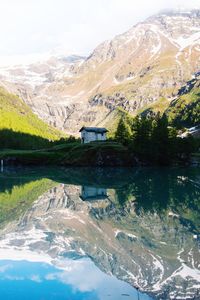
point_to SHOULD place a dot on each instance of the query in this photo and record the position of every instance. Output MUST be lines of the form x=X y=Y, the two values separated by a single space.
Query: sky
x=29 y=28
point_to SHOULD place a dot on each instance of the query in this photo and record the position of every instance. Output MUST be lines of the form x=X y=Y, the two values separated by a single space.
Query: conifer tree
x=123 y=132
x=160 y=139
x=141 y=135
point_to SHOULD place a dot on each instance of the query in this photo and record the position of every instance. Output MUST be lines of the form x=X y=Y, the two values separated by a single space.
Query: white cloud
x=38 y=26
x=36 y=278
x=74 y=274
x=6 y=267
x=14 y=278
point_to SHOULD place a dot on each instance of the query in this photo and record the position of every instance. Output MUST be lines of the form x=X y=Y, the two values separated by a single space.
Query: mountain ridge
x=150 y=61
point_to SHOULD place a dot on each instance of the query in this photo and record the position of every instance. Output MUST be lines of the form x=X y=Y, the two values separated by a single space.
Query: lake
x=92 y=234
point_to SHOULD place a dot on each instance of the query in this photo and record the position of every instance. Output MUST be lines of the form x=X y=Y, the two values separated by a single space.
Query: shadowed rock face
x=144 y=232
x=149 y=62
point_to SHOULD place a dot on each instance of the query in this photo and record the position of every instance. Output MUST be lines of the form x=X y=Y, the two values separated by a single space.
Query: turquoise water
x=99 y=234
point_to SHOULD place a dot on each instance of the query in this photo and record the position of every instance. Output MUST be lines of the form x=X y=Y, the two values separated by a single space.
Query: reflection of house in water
x=89 y=193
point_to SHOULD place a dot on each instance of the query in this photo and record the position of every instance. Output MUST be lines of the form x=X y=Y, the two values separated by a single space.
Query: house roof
x=94 y=129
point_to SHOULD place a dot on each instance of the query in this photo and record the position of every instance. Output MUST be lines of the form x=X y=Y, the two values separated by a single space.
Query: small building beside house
x=91 y=134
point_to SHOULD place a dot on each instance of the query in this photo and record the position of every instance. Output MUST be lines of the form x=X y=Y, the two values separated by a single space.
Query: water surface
x=99 y=234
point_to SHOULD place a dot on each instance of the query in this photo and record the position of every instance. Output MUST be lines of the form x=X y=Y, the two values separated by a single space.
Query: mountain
x=16 y=116
x=185 y=109
x=42 y=72
x=146 y=65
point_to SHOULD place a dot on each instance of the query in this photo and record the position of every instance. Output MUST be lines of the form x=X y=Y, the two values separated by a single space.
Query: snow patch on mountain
x=41 y=72
x=184 y=42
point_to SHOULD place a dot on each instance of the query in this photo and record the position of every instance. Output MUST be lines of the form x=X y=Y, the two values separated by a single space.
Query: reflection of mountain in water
x=145 y=231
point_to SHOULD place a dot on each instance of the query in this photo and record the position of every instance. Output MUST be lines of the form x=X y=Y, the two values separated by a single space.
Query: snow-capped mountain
x=149 y=62
x=41 y=72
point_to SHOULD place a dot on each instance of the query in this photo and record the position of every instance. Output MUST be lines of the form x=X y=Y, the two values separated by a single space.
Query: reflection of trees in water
x=161 y=190
x=152 y=189
x=144 y=191
x=7 y=184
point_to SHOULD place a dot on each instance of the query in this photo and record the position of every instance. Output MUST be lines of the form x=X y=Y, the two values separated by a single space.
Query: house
x=90 y=134
x=89 y=193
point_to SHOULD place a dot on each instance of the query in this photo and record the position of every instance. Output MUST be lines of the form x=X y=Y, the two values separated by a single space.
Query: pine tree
x=141 y=136
x=160 y=140
x=123 y=132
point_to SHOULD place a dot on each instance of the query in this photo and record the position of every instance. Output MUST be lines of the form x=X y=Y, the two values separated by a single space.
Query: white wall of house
x=87 y=137
x=92 y=192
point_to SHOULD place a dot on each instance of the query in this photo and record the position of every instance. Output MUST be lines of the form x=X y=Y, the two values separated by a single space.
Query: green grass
x=70 y=154
x=16 y=116
x=159 y=106
x=14 y=202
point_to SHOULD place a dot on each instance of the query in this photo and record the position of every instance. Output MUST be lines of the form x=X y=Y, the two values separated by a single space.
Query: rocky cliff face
x=149 y=62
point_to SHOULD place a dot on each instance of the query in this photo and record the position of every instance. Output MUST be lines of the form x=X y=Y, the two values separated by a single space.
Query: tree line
x=151 y=139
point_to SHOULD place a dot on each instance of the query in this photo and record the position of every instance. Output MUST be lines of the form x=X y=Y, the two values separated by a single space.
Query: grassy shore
x=75 y=154
x=72 y=154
